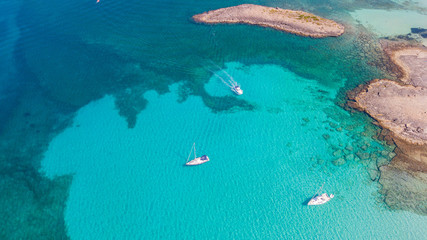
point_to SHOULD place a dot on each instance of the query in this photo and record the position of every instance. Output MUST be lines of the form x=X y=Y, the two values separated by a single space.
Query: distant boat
x=196 y=160
x=236 y=89
x=319 y=199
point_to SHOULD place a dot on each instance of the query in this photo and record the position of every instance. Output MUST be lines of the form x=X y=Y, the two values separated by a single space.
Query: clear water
x=374 y=19
x=113 y=95
x=133 y=183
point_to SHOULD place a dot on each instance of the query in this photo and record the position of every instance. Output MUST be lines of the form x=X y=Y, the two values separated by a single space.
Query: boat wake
x=228 y=81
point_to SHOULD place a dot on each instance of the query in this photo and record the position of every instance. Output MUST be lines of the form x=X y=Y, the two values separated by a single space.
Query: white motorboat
x=228 y=81
x=237 y=90
x=196 y=160
x=319 y=199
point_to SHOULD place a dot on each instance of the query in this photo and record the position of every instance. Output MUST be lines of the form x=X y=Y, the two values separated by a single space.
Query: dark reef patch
x=402 y=190
x=32 y=205
x=226 y=103
x=418 y=30
x=130 y=103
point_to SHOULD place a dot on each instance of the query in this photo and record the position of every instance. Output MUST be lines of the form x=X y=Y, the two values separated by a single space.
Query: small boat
x=196 y=160
x=319 y=199
x=237 y=90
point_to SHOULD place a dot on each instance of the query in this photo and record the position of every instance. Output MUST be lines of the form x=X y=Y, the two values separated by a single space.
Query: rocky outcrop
x=297 y=22
x=400 y=108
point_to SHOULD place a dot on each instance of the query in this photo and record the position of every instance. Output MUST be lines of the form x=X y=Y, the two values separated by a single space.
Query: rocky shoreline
x=297 y=22
x=400 y=108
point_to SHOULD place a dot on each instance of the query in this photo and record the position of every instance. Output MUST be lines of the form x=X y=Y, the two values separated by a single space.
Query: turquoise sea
x=101 y=103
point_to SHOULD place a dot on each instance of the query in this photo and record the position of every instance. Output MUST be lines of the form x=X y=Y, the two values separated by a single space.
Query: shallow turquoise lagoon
x=132 y=183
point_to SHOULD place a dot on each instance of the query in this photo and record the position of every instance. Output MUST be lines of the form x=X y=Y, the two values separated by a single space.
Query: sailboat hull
x=320 y=199
x=197 y=161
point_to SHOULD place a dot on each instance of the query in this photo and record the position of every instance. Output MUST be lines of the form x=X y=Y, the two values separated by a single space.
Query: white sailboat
x=196 y=160
x=319 y=199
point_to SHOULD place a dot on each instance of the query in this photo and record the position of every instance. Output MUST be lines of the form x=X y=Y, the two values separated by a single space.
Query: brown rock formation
x=297 y=22
x=401 y=110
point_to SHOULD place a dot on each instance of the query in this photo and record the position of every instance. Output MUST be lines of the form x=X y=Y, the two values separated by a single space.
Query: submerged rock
x=391 y=155
x=402 y=190
x=382 y=161
x=373 y=174
x=362 y=155
x=349 y=157
x=349 y=148
x=338 y=162
x=373 y=156
x=384 y=153
x=326 y=136
x=337 y=153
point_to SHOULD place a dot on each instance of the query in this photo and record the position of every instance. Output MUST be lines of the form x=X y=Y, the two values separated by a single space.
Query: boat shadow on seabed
x=305 y=203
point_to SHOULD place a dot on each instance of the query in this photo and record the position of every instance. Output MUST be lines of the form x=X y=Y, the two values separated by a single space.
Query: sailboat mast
x=320 y=189
x=191 y=151
x=194 y=150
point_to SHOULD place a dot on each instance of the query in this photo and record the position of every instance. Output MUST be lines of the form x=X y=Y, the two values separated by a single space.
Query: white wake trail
x=232 y=82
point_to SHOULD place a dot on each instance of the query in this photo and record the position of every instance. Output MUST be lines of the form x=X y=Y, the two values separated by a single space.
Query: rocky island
x=297 y=22
x=400 y=107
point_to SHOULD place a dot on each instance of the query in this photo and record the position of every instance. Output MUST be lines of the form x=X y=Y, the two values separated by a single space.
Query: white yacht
x=319 y=199
x=196 y=160
x=228 y=81
x=237 y=90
